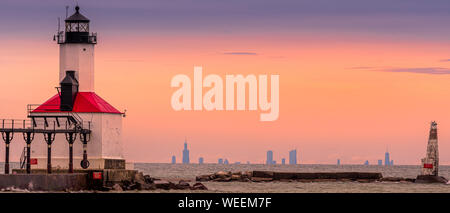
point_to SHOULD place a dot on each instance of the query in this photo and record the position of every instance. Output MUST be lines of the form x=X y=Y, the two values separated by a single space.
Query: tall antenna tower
x=67 y=11
x=59 y=24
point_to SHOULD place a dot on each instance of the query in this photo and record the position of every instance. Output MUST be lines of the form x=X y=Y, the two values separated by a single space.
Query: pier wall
x=317 y=175
x=45 y=182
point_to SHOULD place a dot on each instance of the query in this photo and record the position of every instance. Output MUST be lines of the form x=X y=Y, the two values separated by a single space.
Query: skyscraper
x=283 y=161
x=380 y=162
x=185 y=153
x=200 y=160
x=220 y=161
x=226 y=162
x=338 y=162
x=174 y=159
x=293 y=157
x=366 y=163
x=387 y=161
x=269 y=159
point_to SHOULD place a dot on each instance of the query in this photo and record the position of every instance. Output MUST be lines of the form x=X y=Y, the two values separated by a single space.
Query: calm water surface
x=190 y=171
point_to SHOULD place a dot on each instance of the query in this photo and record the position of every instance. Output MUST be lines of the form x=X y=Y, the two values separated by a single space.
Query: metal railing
x=45 y=108
x=49 y=108
x=51 y=124
x=77 y=118
x=16 y=124
x=34 y=110
x=60 y=38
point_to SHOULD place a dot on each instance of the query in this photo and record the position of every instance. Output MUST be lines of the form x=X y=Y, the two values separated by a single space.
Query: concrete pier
x=264 y=176
x=60 y=180
x=430 y=179
x=317 y=175
x=44 y=182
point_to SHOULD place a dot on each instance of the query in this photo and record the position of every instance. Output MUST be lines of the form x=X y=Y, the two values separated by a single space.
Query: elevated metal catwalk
x=48 y=123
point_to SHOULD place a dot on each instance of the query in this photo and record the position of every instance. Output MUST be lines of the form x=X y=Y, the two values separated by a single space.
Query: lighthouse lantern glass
x=77 y=27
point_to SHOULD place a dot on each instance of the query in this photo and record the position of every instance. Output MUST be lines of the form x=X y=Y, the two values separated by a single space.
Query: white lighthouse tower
x=76 y=51
x=77 y=104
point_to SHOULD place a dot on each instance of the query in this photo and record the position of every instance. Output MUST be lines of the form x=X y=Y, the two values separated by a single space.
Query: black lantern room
x=77 y=29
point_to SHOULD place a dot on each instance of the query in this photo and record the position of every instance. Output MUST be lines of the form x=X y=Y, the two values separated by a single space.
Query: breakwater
x=265 y=176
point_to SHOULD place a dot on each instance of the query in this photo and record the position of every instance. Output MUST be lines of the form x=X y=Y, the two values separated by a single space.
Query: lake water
x=190 y=171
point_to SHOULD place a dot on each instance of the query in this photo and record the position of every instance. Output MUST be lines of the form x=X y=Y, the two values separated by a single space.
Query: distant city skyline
x=270 y=158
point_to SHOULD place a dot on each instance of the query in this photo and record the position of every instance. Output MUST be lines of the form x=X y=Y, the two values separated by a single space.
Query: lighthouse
x=99 y=142
x=430 y=164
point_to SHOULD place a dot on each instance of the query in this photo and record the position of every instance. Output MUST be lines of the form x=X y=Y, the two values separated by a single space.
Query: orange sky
x=337 y=99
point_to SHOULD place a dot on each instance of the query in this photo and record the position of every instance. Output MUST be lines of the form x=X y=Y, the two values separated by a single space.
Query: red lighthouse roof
x=84 y=102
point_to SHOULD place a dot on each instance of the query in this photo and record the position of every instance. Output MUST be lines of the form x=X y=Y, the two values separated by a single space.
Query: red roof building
x=84 y=102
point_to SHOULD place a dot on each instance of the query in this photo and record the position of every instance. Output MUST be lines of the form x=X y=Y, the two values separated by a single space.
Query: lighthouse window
x=83 y=27
x=77 y=27
x=68 y=27
x=74 y=27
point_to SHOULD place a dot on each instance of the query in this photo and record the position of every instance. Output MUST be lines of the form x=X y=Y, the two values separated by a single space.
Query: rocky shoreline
x=145 y=182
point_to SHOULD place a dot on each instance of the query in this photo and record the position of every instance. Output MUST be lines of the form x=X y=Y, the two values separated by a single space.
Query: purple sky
x=412 y=18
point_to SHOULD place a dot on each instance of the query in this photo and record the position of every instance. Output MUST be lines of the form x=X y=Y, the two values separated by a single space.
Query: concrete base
x=430 y=179
x=94 y=179
x=44 y=182
x=95 y=163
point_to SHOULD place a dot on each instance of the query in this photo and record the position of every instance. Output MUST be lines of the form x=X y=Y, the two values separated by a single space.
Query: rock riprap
x=145 y=182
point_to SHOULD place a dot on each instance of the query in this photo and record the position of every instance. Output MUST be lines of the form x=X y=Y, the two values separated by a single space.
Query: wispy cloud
x=124 y=60
x=420 y=70
x=444 y=60
x=361 y=68
x=240 y=53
